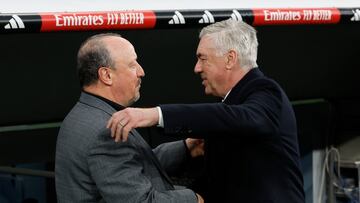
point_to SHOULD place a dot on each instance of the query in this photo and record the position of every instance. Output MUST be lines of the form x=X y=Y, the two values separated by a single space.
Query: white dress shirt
x=161 y=120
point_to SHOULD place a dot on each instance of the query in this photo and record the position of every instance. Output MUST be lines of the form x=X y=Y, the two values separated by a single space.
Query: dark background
x=39 y=83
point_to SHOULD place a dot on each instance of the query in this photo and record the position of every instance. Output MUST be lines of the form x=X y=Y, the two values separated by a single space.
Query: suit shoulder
x=264 y=82
x=87 y=115
x=83 y=124
x=261 y=84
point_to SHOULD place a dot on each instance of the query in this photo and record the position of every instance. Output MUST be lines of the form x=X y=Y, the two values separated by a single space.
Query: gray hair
x=92 y=55
x=237 y=35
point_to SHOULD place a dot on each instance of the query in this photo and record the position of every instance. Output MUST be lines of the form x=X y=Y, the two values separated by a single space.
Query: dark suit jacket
x=91 y=167
x=251 y=142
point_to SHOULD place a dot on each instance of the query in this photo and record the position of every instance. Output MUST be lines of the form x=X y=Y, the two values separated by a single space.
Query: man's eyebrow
x=133 y=61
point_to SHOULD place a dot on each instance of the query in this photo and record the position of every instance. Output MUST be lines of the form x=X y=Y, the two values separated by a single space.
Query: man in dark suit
x=89 y=165
x=251 y=146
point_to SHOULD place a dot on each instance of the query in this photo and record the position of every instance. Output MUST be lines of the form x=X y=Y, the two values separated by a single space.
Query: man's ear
x=105 y=75
x=231 y=59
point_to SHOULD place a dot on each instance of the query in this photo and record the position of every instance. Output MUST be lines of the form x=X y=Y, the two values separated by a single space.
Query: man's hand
x=199 y=198
x=122 y=122
x=195 y=146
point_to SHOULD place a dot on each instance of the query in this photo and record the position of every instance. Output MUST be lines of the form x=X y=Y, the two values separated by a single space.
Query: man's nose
x=140 y=72
x=197 y=68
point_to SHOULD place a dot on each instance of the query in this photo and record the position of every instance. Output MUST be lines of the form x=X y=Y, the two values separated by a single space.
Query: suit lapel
x=140 y=141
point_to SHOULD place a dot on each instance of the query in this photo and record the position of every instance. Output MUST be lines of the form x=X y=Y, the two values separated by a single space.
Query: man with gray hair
x=251 y=146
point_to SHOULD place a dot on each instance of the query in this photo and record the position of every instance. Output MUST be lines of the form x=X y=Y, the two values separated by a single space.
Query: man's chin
x=137 y=97
x=207 y=91
x=134 y=99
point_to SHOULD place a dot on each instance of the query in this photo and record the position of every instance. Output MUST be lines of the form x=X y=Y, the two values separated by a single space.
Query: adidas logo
x=356 y=16
x=236 y=15
x=15 y=23
x=207 y=17
x=178 y=18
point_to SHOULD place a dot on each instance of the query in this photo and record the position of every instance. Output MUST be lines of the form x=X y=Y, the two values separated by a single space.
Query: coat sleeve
x=258 y=114
x=172 y=156
x=117 y=170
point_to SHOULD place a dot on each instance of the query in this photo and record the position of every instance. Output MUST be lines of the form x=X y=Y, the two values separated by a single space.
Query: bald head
x=95 y=53
x=118 y=47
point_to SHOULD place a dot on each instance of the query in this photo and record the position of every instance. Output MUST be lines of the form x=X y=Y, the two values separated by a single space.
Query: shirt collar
x=226 y=95
x=116 y=106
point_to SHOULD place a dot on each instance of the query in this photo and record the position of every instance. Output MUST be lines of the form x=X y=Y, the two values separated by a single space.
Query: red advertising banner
x=133 y=19
x=296 y=16
x=112 y=20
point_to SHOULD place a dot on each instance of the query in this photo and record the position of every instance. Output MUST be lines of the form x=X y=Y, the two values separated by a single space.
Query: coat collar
x=253 y=74
x=95 y=102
